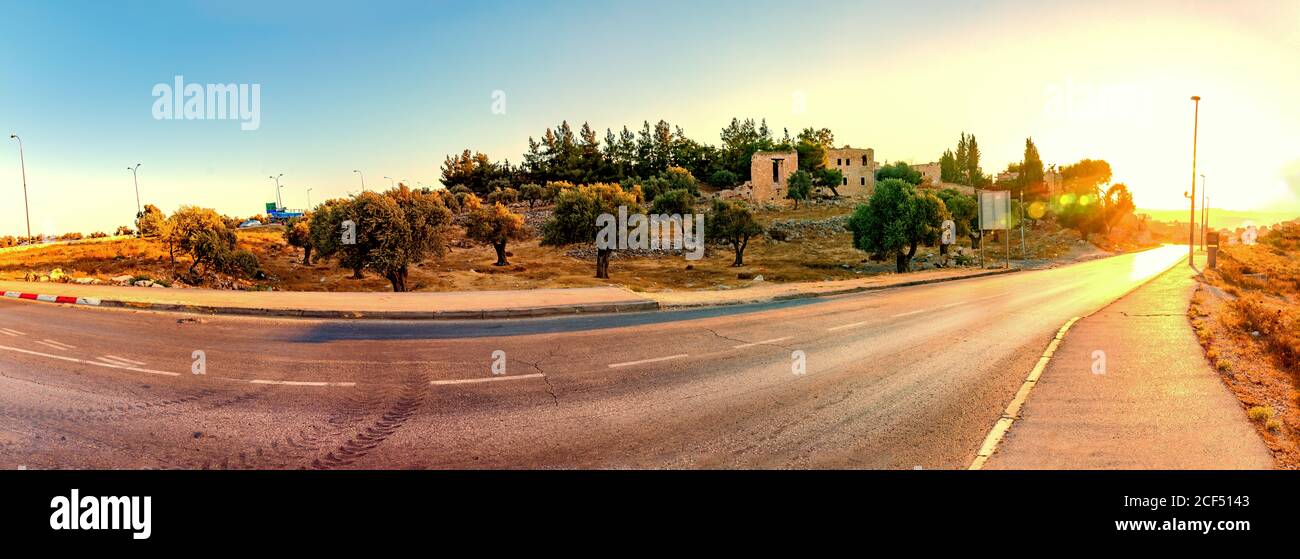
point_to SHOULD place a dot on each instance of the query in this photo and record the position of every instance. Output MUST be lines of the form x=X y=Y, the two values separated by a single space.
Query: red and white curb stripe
x=52 y=298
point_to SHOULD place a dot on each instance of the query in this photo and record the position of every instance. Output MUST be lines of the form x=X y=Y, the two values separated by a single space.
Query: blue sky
x=392 y=87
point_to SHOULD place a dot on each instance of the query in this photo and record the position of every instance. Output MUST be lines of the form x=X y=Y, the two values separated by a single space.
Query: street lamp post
x=22 y=160
x=392 y=183
x=309 y=198
x=1191 y=225
x=1205 y=213
x=276 y=178
x=135 y=178
x=363 y=179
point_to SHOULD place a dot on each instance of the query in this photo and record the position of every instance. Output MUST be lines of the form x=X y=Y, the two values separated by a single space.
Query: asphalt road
x=893 y=379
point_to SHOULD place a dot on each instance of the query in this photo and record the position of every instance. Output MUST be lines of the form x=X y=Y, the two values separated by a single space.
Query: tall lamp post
x=22 y=160
x=1205 y=213
x=308 y=198
x=363 y=179
x=135 y=178
x=392 y=183
x=1191 y=225
x=276 y=178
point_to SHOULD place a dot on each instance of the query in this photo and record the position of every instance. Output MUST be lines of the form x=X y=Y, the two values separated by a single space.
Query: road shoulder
x=1155 y=403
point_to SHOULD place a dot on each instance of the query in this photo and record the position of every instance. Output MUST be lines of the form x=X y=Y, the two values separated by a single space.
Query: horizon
x=394 y=105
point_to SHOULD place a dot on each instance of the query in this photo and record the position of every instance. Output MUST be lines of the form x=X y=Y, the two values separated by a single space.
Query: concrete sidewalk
x=764 y=292
x=452 y=305
x=1158 y=405
x=420 y=305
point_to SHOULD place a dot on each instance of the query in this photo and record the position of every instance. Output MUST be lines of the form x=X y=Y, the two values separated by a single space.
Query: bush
x=679 y=202
x=504 y=196
x=898 y=219
x=532 y=193
x=723 y=178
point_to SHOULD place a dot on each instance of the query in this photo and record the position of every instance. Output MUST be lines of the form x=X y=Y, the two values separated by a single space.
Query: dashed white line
x=771 y=341
x=845 y=326
x=301 y=383
x=84 y=362
x=12 y=332
x=59 y=344
x=52 y=346
x=485 y=379
x=644 y=361
x=122 y=359
x=951 y=305
x=908 y=313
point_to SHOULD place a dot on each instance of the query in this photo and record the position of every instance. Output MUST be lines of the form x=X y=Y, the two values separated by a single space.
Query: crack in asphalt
x=715 y=333
x=550 y=389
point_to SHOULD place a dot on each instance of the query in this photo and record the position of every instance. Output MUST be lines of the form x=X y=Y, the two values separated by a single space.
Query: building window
x=864 y=160
x=839 y=162
x=846 y=181
x=864 y=180
x=776 y=171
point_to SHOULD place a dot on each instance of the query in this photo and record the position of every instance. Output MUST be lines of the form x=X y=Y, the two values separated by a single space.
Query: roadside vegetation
x=1247 y=316
x=534 y=224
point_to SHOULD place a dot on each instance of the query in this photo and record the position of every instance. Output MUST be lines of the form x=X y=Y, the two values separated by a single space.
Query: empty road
x=891 y=379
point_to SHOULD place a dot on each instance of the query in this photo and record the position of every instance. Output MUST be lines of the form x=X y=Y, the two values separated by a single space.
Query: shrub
x=1260 y=413
x=679 y=202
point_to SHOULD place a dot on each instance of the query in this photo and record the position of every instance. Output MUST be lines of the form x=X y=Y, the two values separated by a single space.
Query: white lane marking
x=123 y=359
x=12 y=332
x=908 y=313
x=771 y=341
x=59 y=344
x=644 y=361
x=854 y=325
x=84 y=362
x=951 y=305
x=115 y=362
x=50 y=345
x=300 y=383
x=485 y=379
x=1012 y=411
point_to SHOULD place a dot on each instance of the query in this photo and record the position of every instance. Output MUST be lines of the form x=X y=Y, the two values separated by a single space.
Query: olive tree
x=495 y=225
x=897 y=220
x=733 y=223
x=577 y=218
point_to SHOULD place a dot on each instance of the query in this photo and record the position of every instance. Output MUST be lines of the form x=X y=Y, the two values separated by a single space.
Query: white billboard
x=995 y=210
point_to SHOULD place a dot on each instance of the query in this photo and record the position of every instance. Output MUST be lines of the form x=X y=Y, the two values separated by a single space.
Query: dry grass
x=1249 y=323
x=469 y=266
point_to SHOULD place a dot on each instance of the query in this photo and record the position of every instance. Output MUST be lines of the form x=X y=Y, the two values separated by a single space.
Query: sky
x=391 y=88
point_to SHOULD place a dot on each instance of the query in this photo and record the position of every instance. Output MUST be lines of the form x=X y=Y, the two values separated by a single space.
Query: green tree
x=577 y=218
x=799 y=186
x=532 y=193
x=1118 y=204
x=1031 y=168
x=397 y=229
x=897 y=220
x=149 y=222
x=827 y=177
x=948 y=171
x=298 y=234
x=900 y=170
x=732 y=222
x=496 y=225
x=326 y=231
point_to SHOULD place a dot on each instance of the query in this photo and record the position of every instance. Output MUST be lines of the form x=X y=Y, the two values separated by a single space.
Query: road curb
x=845 y=291
x=64 y=299
x=526 y=312
x=523 y=312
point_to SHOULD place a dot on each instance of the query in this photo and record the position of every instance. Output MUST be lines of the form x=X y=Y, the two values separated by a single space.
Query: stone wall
x=769 y=172
x=859 y=168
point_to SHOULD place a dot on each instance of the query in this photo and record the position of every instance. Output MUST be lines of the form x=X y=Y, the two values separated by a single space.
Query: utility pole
x=135 y=178
x=1191 y=225
x=1022 y=224
x=979 y=218
x=278 y=206
x=22 y=160
x=1205 y=213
